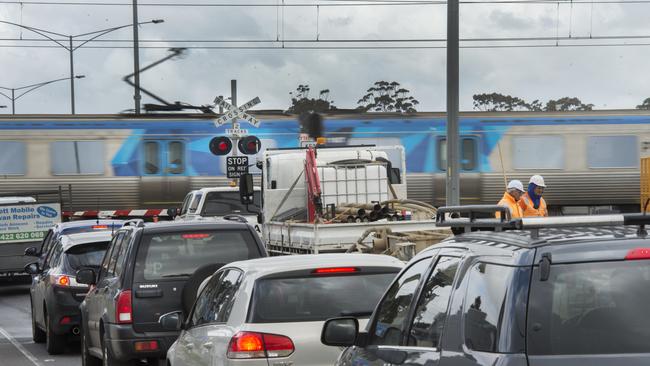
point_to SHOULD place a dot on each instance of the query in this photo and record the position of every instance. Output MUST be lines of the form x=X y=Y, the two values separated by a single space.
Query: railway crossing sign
x=233 y=113
x=236 y=166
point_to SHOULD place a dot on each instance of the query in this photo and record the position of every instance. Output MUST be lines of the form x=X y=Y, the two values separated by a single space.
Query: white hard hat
x=516 y=184
x=537 y=180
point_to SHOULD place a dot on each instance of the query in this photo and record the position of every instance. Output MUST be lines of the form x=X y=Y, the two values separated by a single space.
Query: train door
x=164 y=179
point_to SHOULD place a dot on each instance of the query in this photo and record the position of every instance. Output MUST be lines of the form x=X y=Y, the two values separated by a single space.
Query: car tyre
x=54 y=344
x=38 y=335
x=108 y=359
x=86 y=358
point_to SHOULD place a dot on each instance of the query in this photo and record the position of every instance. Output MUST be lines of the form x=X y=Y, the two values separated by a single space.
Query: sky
x=608 y=76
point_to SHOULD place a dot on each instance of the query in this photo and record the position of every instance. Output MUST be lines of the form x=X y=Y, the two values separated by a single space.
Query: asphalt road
x=16 y=345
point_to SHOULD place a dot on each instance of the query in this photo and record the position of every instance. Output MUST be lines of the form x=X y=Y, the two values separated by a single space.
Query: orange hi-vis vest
x=508 y=201
x=528 y=208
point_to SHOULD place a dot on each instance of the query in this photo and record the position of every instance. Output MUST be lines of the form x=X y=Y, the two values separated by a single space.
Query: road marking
x=20 y=347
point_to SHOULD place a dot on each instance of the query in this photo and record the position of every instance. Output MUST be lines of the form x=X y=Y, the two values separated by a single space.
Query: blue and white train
x=589 y=159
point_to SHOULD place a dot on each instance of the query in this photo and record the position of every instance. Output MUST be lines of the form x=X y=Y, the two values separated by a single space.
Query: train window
x=176 y=157
x=613 y=152
x=151 y=157
x=77 y=157
x=537 y=152
x=12 y=159
x=468 y=153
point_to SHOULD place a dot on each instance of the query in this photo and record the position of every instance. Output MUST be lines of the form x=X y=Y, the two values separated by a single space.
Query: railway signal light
x=220 y=145
x=249 y=145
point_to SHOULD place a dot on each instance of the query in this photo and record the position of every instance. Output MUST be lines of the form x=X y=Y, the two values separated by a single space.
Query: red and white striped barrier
x=161 y=212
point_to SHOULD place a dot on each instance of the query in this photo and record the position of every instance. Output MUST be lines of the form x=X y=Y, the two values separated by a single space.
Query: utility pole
x=71 y=50
x=136 y=58
x=13 y=101
x=235 y=123
x=453 y=138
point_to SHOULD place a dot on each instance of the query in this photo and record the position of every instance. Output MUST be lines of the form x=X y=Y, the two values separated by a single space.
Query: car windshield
x=317 y=298
x=86 y=255
x=179 y=254
x=587 y=308
x=224 y=203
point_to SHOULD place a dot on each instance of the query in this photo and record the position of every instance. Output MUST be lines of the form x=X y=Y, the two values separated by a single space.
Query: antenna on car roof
x=97 y=218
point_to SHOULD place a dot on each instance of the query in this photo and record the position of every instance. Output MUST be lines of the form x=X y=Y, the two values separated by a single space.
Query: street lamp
x=70 y=47
x=29 y=88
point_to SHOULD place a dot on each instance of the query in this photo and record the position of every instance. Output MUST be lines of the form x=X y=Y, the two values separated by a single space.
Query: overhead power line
x=357 y=3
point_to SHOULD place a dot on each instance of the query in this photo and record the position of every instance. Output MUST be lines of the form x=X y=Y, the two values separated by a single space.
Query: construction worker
x=532 y=203
x=514 y=191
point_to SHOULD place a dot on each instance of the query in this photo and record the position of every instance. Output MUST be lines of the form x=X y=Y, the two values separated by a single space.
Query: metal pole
x=136 y=58
x=453 y=139
x=235 y=123
x=13 y=101
x=71 y=50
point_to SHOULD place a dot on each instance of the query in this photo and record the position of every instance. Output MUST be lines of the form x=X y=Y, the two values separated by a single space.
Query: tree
x=495 y=102
x=644 y=105
x=567 y=104
x=301 y=103
x=386 y=96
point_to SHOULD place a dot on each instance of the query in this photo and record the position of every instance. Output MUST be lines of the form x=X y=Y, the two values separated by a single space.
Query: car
x=218 y=202
x=547 y=291
x=271 y=310
x=150 y=270
x=70 y=227
x=55 y=295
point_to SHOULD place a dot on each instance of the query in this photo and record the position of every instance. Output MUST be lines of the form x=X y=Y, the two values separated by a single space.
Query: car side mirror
x=31 y=252
x=32 y=268
x=246 y=189
x=340 y=332
x=171 y=321
x=86 y=276
x=172 y=212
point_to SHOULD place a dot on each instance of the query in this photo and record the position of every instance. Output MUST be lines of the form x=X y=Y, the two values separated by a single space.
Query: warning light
x=195 y=236
x=249 y=145
x=220 y=145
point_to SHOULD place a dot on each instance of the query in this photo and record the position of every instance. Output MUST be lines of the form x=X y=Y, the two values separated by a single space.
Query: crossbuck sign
x=234 y=113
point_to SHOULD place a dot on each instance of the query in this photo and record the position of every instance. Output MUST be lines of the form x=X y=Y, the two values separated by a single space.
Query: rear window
x=179 y=254
x=590 y=308
x=87 y=255
x=317 y=298
x=224 y=203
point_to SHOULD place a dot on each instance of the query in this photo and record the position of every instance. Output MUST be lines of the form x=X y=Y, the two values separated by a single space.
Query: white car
x=270 y=311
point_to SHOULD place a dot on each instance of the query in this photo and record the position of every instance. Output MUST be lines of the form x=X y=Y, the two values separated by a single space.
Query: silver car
x=270 y=311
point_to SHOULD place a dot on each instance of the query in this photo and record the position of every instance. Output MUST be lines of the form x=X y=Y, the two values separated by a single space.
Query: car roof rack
x=134 y=222
x=452 y=217
x=235 y=217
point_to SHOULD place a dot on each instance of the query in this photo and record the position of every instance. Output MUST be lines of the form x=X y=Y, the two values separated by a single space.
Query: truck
x=340 y=199
x=217 y=202
x=24 y=221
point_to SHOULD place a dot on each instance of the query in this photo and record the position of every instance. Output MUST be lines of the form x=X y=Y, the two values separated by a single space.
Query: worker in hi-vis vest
x=510 y=199
x=532 y=203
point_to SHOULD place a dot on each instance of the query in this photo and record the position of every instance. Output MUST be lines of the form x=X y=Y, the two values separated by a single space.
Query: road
x=16 y=345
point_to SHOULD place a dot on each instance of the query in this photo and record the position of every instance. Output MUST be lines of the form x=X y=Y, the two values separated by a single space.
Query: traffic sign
x=236 y=166
x=233 y=113
x=236 y=132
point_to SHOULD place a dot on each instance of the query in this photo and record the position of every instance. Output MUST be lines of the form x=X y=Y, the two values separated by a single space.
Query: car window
x=186 y=203
x=50 y=252
x=120 y=260
x=430 y=313
x=86 y=255
x=55 y=256
x=104 y=273
x=586 y=308
x=389 y=322
x=309 y=297
x=46 y=241
x=195 y=202
x=206 y=299
x=224 y=203
x=158 y=254
x=117 y=247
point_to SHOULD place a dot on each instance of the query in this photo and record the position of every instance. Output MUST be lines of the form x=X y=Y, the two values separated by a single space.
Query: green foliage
x=386 y=96
x=301 y=103
x=645 y=105
x=567 y=104
x=495 y=102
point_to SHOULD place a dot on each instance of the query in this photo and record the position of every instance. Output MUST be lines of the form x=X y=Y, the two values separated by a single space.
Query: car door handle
x=208 y=345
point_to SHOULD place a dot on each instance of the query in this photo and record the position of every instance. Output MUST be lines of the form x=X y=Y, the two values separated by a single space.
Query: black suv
x=550 y=291
x=150 y=270
x=55 y=295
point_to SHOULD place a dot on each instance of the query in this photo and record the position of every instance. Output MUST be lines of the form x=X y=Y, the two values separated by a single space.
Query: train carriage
x=589 y=159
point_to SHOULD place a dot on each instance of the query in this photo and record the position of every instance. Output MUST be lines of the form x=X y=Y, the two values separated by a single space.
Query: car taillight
x=335 y=270
x=638 y=253
x=123 y=308
x=100 y=227
x=259 y=345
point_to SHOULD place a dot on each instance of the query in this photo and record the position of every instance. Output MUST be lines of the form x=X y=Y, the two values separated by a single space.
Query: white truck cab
x=218 y=202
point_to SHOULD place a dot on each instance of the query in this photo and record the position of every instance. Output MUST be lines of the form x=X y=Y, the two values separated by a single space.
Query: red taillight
x=195 y=236
x=144 y=346
x=638 y=253
x=123 y=308
x=335 y=270
x=65 y=320
x=63 y=281
x=259 y=345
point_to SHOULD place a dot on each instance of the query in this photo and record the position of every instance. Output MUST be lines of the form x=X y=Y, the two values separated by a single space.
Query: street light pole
x=13 y=101
x=30 y=88
x=136 y=58
x=453 y=138
x=71 y=50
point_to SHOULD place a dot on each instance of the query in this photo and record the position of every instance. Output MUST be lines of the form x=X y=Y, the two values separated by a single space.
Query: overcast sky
x=609 y=77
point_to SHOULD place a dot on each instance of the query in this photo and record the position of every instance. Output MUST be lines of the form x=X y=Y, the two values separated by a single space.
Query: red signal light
x=220 y=145
x=249 y=145
x=335 y=270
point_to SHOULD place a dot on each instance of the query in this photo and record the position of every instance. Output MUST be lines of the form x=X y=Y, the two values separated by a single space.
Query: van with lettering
x=24 y=222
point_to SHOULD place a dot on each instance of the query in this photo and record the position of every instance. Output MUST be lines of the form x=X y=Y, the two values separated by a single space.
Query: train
x=590 y=160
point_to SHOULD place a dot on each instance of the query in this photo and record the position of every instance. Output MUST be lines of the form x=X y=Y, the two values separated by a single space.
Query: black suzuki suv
x=150 y=270
x=550 y=291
